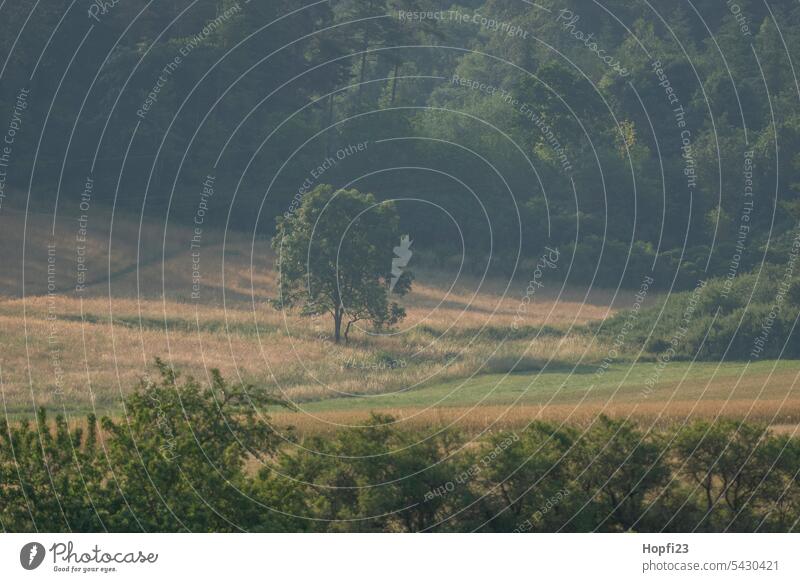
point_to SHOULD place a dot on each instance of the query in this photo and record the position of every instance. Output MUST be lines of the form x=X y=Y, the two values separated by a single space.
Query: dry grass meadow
x=78 y=352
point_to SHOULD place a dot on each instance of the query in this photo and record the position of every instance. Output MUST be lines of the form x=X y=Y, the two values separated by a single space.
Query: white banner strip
x=401 y=557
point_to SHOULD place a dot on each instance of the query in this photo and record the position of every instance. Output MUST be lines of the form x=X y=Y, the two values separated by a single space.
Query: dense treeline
x=748 y=317
x=673 y=122
x=188 y=458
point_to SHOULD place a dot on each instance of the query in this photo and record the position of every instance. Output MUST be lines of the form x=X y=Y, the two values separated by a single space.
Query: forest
x=633 y=138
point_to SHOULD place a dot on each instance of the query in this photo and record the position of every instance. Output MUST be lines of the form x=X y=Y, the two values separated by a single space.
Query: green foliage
x=749 y=317
x=624 y=469
x=50 y=476
x=744 y=478
x=335 y=257
x=180 y=447
x=175 y=461
x=207 y=459
x=520 y=480
x=376 y=478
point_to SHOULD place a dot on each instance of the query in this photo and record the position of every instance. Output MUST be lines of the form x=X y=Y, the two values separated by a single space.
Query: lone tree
x=335 y=256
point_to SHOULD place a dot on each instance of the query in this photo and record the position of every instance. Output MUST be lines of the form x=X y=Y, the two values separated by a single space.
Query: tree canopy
x=334 y=256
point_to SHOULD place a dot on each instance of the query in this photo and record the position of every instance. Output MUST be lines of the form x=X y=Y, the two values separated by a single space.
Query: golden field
x=86 y=350
x=447 y=363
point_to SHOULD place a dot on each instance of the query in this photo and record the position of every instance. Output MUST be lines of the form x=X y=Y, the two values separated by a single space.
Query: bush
x=184 y=458
x=734 y=320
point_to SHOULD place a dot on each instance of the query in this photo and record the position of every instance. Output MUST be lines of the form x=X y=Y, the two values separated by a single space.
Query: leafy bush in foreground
x=185 y=457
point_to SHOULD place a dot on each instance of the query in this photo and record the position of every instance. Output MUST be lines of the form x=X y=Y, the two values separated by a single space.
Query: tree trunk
x=347 y=331
x=394 y=81
x=363 y=71
x=337 y=325
x=329 y=126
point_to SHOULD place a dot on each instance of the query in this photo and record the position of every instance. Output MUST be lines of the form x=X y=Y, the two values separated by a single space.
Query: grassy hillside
x=80 y=351
x=465 y=353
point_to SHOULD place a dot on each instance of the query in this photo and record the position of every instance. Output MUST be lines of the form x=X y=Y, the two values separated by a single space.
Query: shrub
x=183 y=458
